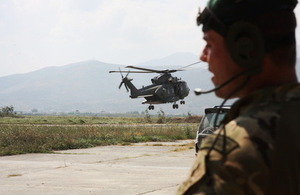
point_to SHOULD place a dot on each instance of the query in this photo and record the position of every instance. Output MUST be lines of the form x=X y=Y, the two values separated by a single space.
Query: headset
x=245 y=44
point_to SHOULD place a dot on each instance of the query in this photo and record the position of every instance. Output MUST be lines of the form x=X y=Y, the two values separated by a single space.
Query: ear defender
x=246 y=46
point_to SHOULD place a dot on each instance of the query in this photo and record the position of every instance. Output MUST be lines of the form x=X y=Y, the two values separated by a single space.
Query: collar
x=263 y=97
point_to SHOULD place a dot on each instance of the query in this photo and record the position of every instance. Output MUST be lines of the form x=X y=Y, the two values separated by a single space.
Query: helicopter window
x=181 y=86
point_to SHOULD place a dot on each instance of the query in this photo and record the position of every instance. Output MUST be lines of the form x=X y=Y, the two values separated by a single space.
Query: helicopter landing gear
x=182 y=102
x=175 y=106
x=151 y=107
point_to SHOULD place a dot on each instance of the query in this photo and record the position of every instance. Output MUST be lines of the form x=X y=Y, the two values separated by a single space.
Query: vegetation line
x=18 y=137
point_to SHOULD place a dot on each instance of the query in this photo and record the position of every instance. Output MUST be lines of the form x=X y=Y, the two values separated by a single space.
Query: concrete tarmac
x=145 y=168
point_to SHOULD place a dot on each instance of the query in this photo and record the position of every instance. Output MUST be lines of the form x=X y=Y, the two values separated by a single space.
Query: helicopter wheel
x=175 y=106
x=151 y=107
x=182 y=102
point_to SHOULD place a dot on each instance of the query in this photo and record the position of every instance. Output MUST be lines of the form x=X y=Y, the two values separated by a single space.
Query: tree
x=34 y=110
x=7 y=111
x=161 y=116
x=147 y=116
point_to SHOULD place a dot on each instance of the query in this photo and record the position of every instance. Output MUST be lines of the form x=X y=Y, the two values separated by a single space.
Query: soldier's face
x=219 y=63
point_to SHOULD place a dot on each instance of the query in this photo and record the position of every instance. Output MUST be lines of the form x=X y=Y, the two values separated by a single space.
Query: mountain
x=176 y=59
x=84 y=86
x=88 y=87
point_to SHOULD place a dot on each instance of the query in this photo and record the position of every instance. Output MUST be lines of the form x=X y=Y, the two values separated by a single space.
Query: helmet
x=246 y=27
x=219 y=14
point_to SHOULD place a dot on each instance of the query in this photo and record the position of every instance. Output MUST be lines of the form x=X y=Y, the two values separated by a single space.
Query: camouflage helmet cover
x=219 y=14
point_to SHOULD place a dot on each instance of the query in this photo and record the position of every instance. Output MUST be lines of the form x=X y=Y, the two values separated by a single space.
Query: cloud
x=36 y=33
x=134 y=22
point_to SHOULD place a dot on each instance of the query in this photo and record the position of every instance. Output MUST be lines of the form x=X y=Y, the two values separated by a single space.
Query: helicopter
x=165 y=88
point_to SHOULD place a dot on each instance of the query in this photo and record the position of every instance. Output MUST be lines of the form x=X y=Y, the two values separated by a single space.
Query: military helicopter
x=164 y=88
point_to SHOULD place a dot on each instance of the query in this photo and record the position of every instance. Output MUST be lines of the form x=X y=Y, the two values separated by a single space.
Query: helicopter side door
x=166 y=93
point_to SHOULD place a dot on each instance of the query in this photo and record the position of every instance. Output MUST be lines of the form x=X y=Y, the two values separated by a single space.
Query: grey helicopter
x=165 y=88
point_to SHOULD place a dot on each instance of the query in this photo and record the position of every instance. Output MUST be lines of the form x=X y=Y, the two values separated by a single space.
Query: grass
x=68 y=120
x=71 y=120
x=35 y=135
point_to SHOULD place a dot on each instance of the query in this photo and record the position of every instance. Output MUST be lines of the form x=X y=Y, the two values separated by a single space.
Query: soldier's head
x=240 y=33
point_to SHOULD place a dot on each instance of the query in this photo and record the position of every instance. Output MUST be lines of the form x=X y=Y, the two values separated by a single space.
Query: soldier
x=251 y=51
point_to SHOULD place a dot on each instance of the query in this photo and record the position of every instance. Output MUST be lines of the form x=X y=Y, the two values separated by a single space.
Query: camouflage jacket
x=257 y=151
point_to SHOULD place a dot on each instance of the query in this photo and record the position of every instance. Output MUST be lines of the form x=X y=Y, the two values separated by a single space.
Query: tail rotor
x=124 y=80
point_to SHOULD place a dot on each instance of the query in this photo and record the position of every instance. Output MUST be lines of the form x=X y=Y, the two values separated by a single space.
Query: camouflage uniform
x=257 y=151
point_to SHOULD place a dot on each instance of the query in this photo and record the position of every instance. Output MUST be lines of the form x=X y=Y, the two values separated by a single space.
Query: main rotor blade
x=190 y=65
x=163 y=71
x=114 y=71
x=171 y=71
x=146 y=69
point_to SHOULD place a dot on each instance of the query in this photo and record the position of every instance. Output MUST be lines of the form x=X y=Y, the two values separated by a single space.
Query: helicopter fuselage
x=164 y=88
x=161 y=93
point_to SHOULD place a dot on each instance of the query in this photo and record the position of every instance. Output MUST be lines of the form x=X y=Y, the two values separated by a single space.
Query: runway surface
x=145 y=168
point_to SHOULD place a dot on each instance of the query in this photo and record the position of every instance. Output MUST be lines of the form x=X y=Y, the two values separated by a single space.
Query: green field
x=36 y=134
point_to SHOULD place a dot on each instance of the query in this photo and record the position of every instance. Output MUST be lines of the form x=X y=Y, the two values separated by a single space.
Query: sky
x=40 y=33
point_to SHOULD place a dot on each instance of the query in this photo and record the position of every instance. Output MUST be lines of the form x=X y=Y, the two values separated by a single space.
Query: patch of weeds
x=126 y=144
x=71 y=121
x=21 y=139
x=81 y=121
x=157 y=145
x=188 y=133
x=15 y=175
